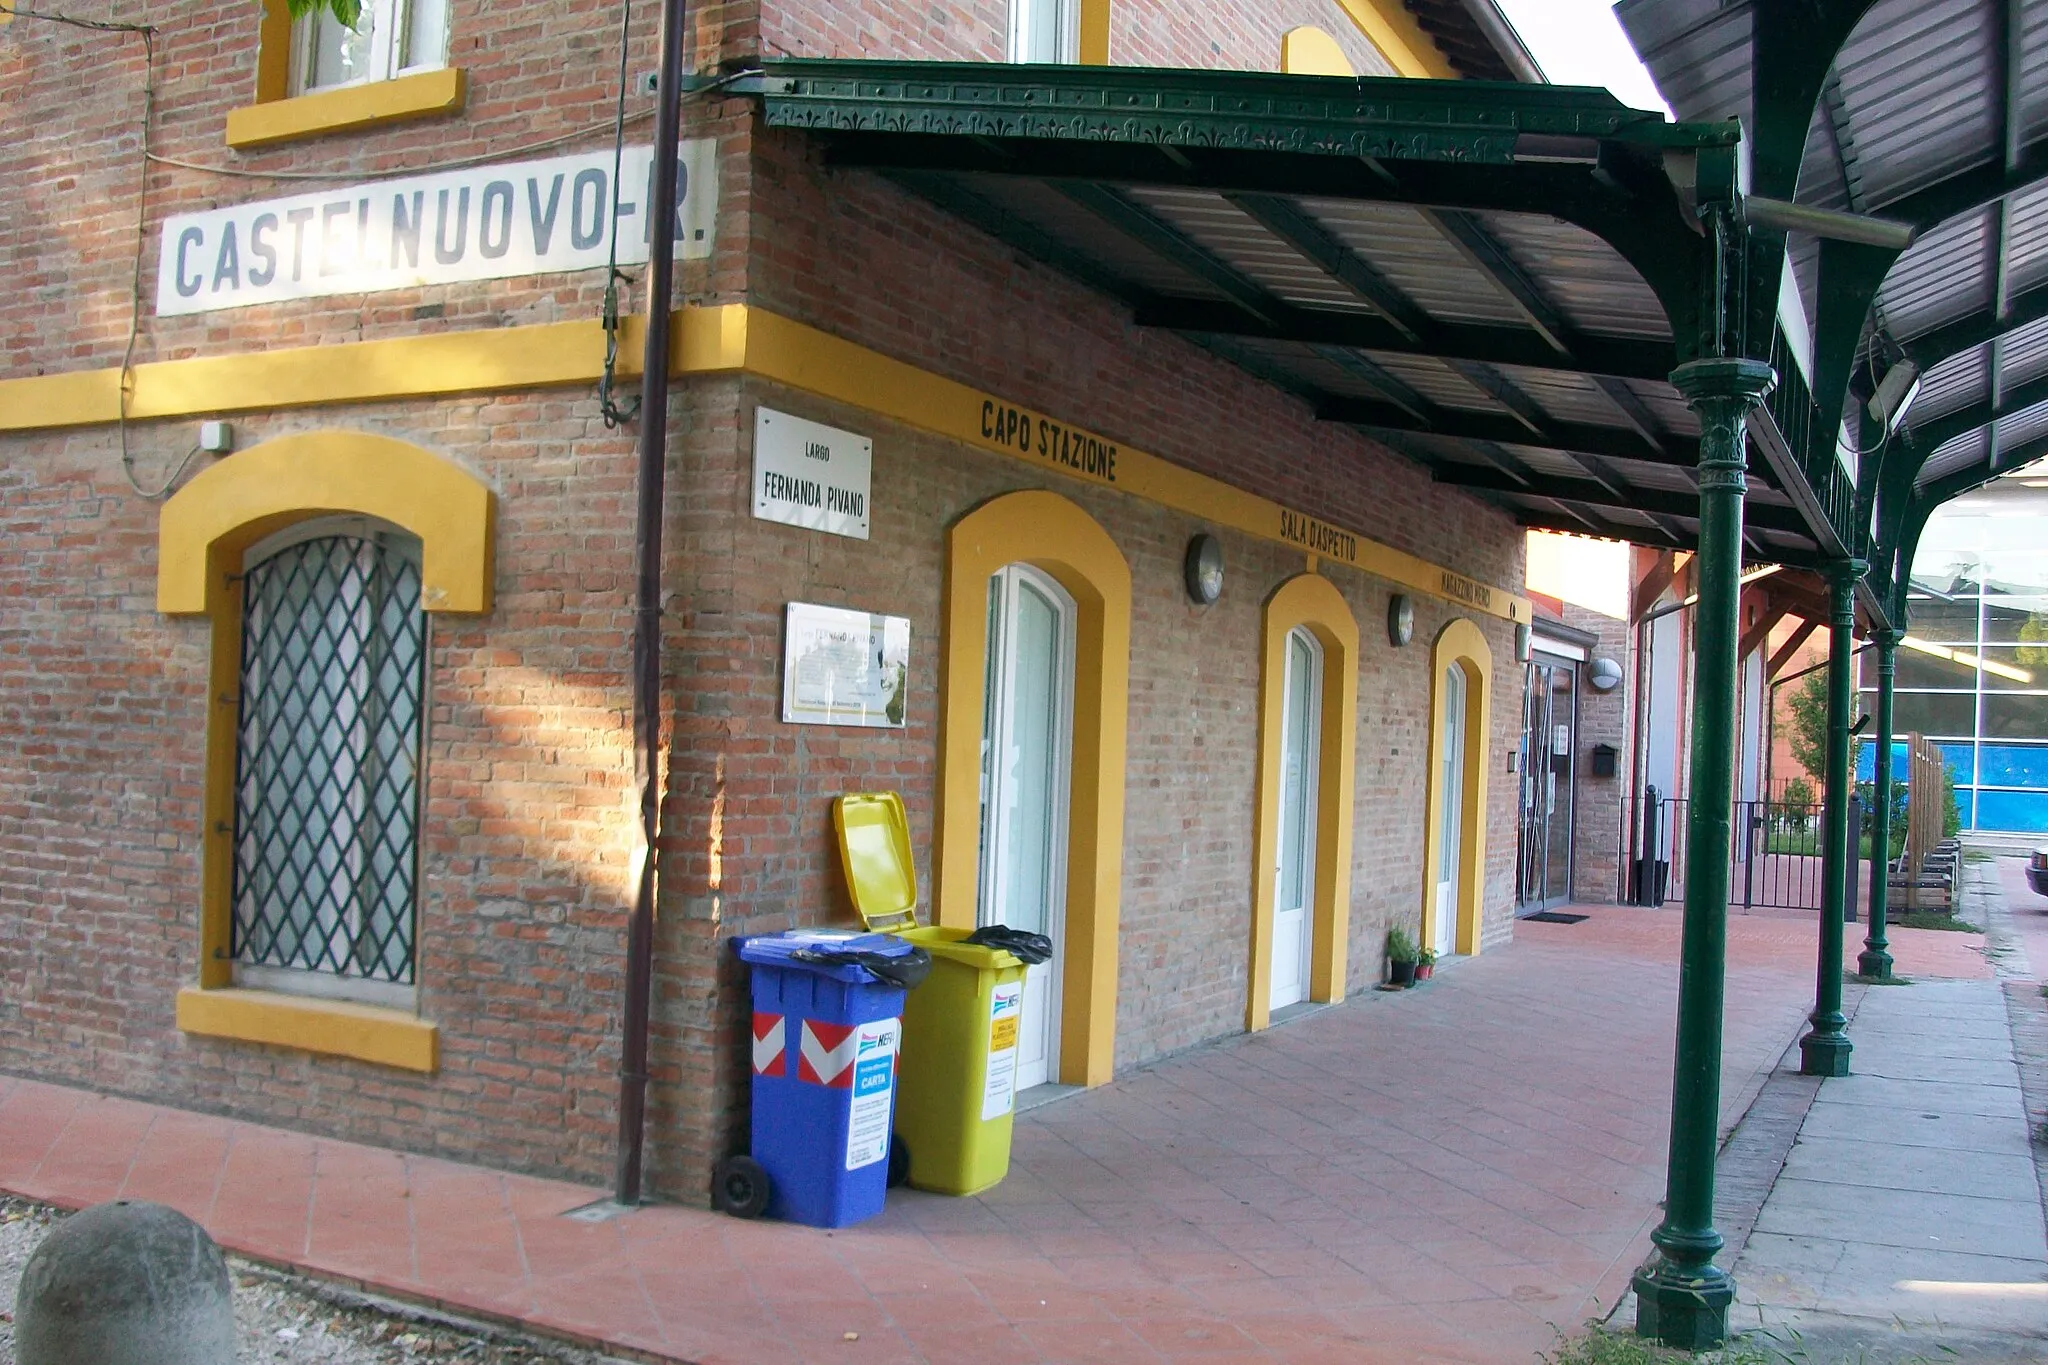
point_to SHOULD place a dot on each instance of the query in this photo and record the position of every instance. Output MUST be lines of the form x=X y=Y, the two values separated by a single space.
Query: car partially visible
x=2037 y=871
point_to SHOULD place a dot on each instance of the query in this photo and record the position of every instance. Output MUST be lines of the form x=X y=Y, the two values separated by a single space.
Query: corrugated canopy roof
x=1931 y=112
x=1493 y=279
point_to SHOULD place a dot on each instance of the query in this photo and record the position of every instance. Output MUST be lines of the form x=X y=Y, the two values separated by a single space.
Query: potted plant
x=1425 y=965
x=1401 y=957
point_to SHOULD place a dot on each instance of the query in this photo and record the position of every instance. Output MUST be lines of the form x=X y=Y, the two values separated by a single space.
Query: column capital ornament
x=1848 y=571
x=1724 y=377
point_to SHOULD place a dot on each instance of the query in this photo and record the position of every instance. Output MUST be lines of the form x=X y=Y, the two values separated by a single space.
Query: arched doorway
x=1026 y=769
x=1027 y=549
x=1454 y=848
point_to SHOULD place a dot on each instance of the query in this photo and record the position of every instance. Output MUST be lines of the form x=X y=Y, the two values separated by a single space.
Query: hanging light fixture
x=1895 y=392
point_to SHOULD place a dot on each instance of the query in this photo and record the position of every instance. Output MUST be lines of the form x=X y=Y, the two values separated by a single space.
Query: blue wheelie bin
x=825 y=1041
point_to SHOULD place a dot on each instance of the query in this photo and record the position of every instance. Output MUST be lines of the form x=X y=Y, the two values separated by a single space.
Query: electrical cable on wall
x=615 y=414
x=127 y=387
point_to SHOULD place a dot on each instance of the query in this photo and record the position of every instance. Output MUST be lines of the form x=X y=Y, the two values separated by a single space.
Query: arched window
x=318 y=558
x=327 y=766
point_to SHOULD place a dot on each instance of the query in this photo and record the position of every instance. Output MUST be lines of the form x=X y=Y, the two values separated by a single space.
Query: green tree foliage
x=347 y=11
x=2033 y=640
x=1807 y=732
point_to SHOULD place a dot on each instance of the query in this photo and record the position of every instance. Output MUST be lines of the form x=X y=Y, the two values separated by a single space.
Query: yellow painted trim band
x=1308 y=51
x=372 y=104
x=479 y=361
x=274 y=52
x=1459 y=645
x=1388 y=26
x=728 y=338
x=805 y=358
x=337 y=1028
x=203 y=529
x=1310 y=602
x=1093 y=35
x=1049 y=533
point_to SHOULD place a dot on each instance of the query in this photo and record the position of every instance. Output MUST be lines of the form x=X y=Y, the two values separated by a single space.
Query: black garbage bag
x=907 y=970
x=1018 y=943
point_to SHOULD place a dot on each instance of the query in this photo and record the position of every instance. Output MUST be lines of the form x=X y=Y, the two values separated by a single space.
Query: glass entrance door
x=1025 y=752
x=1550 y=726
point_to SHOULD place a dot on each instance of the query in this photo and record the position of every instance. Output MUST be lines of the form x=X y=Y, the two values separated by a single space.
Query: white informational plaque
x=843 y=667
x=811 y=475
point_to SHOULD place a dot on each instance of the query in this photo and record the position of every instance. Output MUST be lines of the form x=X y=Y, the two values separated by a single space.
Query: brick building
x=319 y=803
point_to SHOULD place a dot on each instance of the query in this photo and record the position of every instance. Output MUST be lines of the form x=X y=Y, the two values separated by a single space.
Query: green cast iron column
x=1824 y=1051
x=1682 y=1297
x=1876 y=960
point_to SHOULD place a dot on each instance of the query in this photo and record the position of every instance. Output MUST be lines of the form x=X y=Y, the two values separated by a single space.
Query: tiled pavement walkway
x=1439 y=1175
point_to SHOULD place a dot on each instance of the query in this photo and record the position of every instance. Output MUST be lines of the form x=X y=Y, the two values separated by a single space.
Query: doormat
x=1556 y=917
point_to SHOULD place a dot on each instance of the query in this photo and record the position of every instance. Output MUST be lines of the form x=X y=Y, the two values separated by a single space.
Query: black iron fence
x=1775 y=859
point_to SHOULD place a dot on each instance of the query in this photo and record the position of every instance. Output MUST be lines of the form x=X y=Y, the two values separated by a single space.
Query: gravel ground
x=288 y=1320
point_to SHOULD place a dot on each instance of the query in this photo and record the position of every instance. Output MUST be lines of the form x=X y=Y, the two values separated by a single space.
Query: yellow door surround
x=1056 y=537
x=202 y=533
x=1312 y=602
x=1459 y=645
x=726 y=339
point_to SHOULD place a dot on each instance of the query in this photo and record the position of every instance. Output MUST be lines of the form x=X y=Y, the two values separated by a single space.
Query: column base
x=1683 y=1306
x=1874 y=963
x=1824 y=1054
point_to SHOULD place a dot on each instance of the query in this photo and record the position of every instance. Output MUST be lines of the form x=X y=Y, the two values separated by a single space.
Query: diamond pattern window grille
x=327 y=763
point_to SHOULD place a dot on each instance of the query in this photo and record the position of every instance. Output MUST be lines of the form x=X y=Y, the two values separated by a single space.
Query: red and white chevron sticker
x=768 y=1051
x=825 y=1054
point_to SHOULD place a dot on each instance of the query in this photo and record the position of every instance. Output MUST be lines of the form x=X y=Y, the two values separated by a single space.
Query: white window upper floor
x=1044 y=31
x=391 y=38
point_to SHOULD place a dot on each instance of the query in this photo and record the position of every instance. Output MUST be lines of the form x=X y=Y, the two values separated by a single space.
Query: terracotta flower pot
x=1424 y=970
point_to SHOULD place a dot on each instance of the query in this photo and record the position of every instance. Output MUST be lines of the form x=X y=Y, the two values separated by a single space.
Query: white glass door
x=1294 y=879
x=1450 y=805
x=1025 y=749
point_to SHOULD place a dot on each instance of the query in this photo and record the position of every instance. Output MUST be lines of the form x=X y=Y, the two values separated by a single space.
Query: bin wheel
x=740 y=1187
x=899 y=1161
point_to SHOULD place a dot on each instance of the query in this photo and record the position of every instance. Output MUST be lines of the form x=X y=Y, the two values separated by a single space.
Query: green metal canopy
x=1495 y=280
x=1932 y=113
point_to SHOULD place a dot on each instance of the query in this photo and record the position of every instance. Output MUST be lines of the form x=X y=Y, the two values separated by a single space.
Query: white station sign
x=811 y=475
x=479 y=223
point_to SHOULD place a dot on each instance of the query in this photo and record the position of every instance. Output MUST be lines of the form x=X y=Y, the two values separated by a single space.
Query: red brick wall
x=67 y=231
x=1226 y=34
x=749 y=833
x=527 y=814
x=525 y=820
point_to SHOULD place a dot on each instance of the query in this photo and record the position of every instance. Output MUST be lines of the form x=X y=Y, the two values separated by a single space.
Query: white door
x=1450 y=805
x=1025 y=750
x=1294 y=879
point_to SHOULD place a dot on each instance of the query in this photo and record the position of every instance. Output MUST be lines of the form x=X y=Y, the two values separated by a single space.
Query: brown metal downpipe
x=653 y=467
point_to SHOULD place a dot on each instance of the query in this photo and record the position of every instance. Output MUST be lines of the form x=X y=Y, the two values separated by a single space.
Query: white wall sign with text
x=479 y=223
x=843 y=667
x=811 y=475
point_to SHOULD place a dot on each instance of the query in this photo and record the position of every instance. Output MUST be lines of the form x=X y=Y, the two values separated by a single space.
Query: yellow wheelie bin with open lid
x=957 y=1084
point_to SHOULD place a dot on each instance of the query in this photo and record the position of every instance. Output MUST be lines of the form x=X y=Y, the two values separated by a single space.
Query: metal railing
x=1775 y=854
x=1798 y=420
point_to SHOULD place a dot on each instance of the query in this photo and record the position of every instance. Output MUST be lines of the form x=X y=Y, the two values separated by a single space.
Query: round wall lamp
x=1203 y=569
x=1400 y=619
x=1603 y=674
